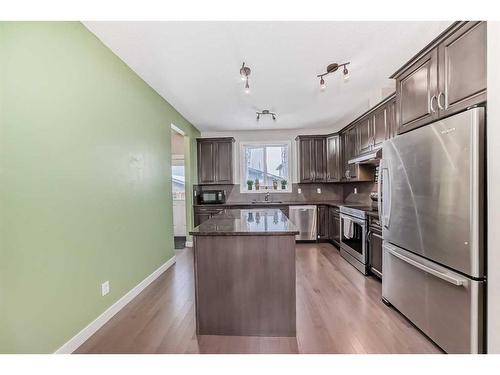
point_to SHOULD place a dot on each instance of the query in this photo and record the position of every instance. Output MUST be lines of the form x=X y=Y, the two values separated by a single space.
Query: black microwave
x=212 y=197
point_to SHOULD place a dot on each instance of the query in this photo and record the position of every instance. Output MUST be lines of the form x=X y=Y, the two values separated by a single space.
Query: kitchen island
x=244 y=263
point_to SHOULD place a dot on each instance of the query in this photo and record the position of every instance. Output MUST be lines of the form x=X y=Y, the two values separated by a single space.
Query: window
x=178 y=183
x=266 y=163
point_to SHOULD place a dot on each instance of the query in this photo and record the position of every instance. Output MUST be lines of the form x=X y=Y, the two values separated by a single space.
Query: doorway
x=178 y=152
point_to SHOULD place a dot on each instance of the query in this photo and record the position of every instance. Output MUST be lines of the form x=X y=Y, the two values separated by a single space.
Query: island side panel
x=245 y=285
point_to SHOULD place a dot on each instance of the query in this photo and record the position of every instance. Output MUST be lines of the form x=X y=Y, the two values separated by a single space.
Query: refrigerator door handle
x=384 y=211
x=379 y=187
x=452 y=280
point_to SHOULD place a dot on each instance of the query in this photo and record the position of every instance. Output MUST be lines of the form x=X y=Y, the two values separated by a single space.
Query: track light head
x=322 y=84
x=244 y=72
x=347 y=75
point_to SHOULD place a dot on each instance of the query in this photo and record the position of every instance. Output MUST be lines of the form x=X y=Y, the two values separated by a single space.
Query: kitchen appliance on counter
x=212 y=197
x=305 y=219
x=353 y=236
x=432 y=213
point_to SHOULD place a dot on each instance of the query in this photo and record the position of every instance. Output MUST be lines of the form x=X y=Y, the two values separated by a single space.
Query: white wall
x=266 y=135
x=493 y=157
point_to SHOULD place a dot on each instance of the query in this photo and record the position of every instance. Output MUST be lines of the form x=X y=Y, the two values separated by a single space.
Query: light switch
x=105 y=288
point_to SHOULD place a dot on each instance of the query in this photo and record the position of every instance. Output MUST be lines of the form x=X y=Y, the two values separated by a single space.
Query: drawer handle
x=442 y=276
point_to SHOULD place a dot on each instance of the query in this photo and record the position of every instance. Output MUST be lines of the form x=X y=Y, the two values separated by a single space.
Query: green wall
x=85 y=181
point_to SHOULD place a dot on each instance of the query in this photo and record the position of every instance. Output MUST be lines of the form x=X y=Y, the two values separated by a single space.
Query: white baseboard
x=76 y=341
x=189 y=244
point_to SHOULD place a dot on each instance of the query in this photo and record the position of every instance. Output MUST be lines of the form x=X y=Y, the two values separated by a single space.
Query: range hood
x=372 y=157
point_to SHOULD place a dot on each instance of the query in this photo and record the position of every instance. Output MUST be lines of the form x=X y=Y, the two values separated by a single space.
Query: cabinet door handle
x=439 y=100
x=433 y=110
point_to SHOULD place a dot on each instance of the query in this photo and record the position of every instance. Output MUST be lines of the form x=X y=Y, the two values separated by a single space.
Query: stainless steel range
x=353 y=237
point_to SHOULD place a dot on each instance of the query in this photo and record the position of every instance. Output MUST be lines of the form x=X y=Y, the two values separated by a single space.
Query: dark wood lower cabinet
x=375 y=247
x=323 y=223
x=245 y=285
x=334 y=225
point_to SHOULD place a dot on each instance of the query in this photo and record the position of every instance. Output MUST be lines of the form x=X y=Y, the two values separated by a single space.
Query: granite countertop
x=247 y=222
x=271 y=203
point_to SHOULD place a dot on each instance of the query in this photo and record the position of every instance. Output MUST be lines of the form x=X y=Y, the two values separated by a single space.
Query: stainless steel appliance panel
x=355 y=243
x=445 y=305
x=305 y=219
x=432 y=195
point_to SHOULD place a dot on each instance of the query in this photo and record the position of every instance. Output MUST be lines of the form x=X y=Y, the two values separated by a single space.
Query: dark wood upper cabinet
x=306 y=160
x=215 y=160
x=447 y=76
x=344 y=150
x=206 y=168
x=349 y=142
x=319 y=159
x=416 y=93
x=365 y=134
x=352 y=151
x=312 y=159
x=392 y=126
x=333 y=161
x=379 y=127
x=224 y=162
x=462 y=68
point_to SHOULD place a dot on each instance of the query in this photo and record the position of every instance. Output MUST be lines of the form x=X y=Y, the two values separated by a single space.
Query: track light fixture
x=266 y=112
x=244 y=73
x=332 y=68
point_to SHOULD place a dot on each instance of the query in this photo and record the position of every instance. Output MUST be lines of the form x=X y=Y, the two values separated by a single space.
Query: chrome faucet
x=266 y=198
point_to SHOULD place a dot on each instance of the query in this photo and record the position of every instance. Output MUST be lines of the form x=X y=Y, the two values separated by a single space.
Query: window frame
x=264 y=190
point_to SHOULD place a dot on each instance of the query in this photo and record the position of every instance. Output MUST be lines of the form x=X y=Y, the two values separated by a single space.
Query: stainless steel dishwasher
x=304 y=218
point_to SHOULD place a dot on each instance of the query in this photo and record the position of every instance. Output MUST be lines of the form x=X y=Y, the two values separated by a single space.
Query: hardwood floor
x=338 y=311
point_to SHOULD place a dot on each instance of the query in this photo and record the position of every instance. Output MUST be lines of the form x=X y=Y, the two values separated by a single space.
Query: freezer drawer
x=445 y=305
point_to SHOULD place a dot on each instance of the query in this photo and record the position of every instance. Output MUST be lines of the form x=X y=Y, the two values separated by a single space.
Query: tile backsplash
x=363 y=192
x=329 y=192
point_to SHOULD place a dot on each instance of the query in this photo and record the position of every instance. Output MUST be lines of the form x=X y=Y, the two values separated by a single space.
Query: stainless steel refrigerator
x=432 y=214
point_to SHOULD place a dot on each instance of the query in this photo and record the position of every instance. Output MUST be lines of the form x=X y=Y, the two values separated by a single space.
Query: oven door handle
x=354 y=220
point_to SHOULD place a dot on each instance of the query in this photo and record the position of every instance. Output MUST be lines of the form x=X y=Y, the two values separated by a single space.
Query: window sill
x=265 y=191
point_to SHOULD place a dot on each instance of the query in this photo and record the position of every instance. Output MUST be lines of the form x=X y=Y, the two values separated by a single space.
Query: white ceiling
x=195 y=67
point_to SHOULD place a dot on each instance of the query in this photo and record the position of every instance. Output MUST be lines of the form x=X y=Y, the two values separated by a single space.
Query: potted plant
x=257 y=184
x=249 y=184
x=283 y=184
x=275 y=184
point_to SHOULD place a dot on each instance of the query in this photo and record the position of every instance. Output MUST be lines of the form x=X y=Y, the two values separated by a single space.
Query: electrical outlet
x=105 y=288
x=355 y=190
x=299 y=191
x=318 y=190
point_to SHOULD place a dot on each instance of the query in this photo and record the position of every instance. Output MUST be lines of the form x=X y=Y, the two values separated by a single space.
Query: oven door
x=353 y=237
